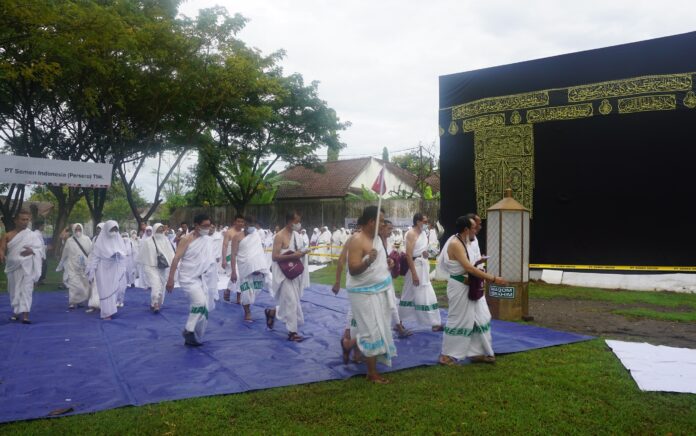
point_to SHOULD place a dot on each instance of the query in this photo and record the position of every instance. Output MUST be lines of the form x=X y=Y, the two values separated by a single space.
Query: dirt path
x=595 y=318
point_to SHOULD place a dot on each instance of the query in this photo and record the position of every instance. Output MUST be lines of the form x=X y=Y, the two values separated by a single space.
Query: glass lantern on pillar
x=507 y=241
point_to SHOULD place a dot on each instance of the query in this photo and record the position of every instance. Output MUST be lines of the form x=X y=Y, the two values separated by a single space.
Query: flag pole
x=379 y=204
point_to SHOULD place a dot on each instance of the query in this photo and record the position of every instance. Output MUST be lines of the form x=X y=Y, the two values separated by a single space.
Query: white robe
x=288 y=292
x=336 y=243
x=192 y=269
x=372 y=305
x=74 y=263
x=107 y=265
x=268 y=247
x=253 y=273
x=468 y=329
x=433 y=243
x=23 y=271
x=324 y=243
x=147 y=259
x=419 y=303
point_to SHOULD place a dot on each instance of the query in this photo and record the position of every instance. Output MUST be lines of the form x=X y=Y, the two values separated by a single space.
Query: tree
x=422 y=163
x=385 y=154
x=117 y=205
x=332 y=155
x=11 y=204
x=286 y=120
x=206 y=191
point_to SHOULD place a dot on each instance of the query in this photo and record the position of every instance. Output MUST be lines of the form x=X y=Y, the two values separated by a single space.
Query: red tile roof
x=434 y=182
x=334 y=182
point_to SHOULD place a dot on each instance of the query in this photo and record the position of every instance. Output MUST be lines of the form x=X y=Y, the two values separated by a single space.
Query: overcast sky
x=378 y=61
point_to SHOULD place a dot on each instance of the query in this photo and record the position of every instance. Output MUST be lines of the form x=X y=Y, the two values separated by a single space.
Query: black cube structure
x=599 y=145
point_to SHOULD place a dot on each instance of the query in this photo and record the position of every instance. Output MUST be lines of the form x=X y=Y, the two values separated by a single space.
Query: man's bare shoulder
x=186 y=240
x=10 y=235
x=360 y=240
x=239 y=236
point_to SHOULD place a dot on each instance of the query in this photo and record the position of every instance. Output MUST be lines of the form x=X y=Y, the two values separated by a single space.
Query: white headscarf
x=148 y=252
x=100 y=226
x=145 y=235
x=109 y=243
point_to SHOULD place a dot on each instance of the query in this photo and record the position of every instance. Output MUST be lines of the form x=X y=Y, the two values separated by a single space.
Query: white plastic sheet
x=658 y=367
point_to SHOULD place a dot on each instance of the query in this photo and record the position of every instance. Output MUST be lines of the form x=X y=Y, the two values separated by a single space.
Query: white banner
x=37 y=171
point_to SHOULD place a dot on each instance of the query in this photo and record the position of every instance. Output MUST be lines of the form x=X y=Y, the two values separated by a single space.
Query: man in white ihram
x=249 y=266
x=74 y=262
x=192 y=260
x=21 y=250
x=285 y=290
x=368 y=282
x=418 y=299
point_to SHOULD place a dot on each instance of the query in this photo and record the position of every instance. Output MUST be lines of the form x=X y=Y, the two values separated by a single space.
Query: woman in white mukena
x=156 y=275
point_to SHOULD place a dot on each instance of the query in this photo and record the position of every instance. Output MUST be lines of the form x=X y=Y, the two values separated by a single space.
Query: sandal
x=379 y=380
x=402 y=331
x=446 y=361
x=483 y=359
x=294 y=337
x=270 y=319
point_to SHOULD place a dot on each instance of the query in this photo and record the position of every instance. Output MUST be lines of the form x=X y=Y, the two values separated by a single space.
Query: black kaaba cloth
x=600 y=145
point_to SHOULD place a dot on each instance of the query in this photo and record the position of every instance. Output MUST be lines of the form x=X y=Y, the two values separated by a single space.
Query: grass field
x=574 y=389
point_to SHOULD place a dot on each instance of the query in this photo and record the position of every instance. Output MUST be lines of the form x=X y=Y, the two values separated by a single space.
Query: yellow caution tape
x=614 y=267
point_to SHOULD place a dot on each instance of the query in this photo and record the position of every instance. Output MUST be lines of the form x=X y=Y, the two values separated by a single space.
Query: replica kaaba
x=599 y=145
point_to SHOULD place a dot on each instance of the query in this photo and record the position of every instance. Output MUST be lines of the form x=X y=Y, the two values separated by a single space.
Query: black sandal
x=270 y=319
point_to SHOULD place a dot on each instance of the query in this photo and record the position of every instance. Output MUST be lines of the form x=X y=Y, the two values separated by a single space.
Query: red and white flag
x=380 y=187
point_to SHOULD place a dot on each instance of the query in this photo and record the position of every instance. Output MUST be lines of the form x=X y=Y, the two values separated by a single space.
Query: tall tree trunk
x=95 y=202
x=11 y=205
x=66 y=203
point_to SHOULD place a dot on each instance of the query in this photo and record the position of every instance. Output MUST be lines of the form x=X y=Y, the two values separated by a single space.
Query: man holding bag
x=288 y=278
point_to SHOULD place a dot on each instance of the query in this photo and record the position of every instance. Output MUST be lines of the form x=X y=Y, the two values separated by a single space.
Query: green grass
x=640 y=312
x=663 y=299
x=575 y=389
x=578 y=389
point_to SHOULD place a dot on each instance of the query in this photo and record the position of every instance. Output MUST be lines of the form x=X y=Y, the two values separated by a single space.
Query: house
x=343 y=177
x=323 y=197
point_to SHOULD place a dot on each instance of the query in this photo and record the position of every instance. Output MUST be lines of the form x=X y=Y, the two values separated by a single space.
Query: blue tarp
x=73 y=359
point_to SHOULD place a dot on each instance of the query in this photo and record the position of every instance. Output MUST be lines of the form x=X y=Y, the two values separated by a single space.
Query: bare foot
x=270 y=318
x=438 y=328
x=402 y=331
x=446 y=360
x=377 y=379
x=483 y=359
x=345 y=351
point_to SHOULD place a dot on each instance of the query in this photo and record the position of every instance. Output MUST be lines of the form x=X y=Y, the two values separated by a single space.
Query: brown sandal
x=294 y=337
x=446 y=361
